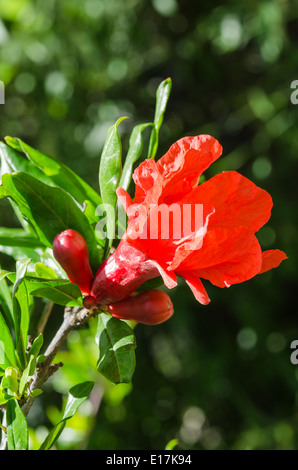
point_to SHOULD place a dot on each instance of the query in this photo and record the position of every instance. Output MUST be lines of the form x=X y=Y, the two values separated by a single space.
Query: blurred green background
x=214 y=377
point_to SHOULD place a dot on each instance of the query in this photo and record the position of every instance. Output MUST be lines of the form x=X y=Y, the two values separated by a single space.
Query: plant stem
x=73 y=318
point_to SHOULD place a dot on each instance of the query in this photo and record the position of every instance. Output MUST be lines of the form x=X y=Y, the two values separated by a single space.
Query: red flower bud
x=150 y=307
x=71 y=251
x=90 y=302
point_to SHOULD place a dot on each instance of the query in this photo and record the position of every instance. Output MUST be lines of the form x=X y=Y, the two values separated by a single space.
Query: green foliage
x=134 y=153
x=162 y=96
x=49 y=210
x=17 y=427
x=7 y=351
x=76 y=397
x=116 y=343
x=109 y=176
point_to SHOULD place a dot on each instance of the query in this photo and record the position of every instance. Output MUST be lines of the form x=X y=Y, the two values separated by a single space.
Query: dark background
x=214 y=377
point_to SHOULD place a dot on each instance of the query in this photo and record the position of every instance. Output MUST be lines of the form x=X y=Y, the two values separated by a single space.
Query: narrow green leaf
x=4 y=274
x=57 y=172
x=53 y=436
x=59 y=291
x=109 y=177
x=21 y=269
x=36 y=346
x=4 y=396
x=10 y=381
x=171 y=444
x=18 y=237
x=133 y=154
x=17 y=427
x=116 y=343
x=36 y=392
x=12 y=161
x=162 y=97
x=41 y=358
x=27 y=374
x=7 y=351
x=6 y=302
x=49 y=210
x=76 y=396
x=16 y=242
x=49 y=171
x=21 y=309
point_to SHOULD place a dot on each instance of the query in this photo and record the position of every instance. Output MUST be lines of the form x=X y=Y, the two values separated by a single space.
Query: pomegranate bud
x=150 y=307
x=71 y=251
x=90 y=302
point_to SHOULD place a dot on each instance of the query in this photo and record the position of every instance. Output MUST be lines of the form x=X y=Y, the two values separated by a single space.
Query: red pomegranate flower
x=221 y=216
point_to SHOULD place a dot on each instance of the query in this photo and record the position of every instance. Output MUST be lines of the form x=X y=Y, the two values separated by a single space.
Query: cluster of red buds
x=150 y=307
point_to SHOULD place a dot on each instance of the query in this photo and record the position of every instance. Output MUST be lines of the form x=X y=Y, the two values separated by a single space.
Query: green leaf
x=171 y=444
x=44 y=271
x=4 y=396
x=49 y=171
x=41 y=358
x=4 y=274
x=18 y=243
x=21 y=269
x=21 y=309
x=76 y=396
x=36 y=346
x=116 y=343
x=36 y=392
x=49 y=210
x=57 y=172
x=10 y=381
x=59 y=291
x=7 y=351
x=162 y=96
x=109 y=177
x=27 y=374
x=12 y=161
x=17 y=427
x=6 y=302
x=134 y=152
x=53 y=436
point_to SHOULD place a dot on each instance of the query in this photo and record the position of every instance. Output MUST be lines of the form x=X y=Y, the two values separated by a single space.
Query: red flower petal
x=237 y=201
x=227 y=257
x=148 y=181
x=271 y=259
x=184 y=163
x=196 y=286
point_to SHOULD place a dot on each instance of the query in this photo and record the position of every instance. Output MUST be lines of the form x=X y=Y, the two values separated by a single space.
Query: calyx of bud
x=90 y=302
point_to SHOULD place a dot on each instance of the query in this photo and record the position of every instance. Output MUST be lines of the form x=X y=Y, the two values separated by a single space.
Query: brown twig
x=73 y=318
